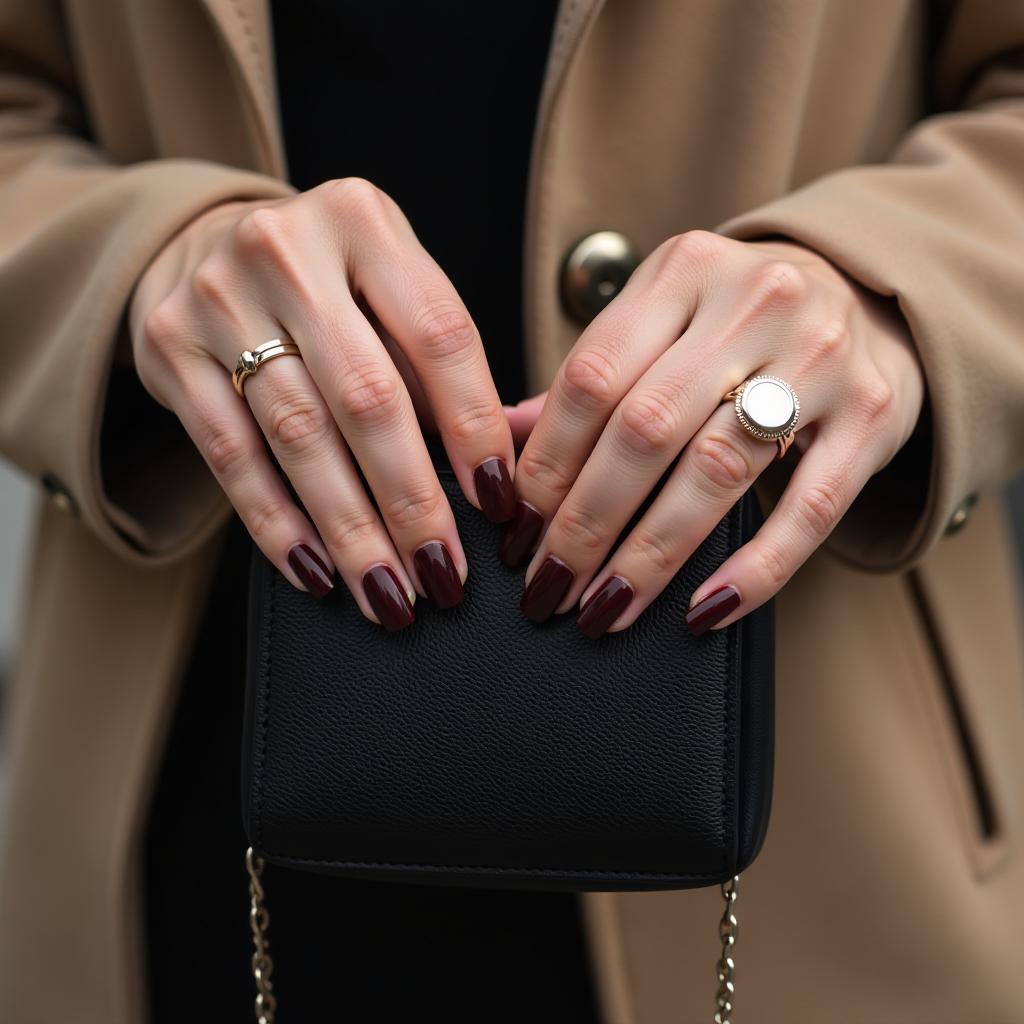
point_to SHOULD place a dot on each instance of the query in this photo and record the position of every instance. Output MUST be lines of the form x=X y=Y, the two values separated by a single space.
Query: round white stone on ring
x=767 y=407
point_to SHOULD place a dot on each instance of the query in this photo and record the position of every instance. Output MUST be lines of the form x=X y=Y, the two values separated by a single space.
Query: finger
x=641 y=439
x=309 y=448
x=224 y=431
x=828 y=477
x=737 y=327
x=646 y=319
x=522 y=417
x=718 y=465
x=370 y=404
x=716 y=468
x=647 y=431
x=419 y=307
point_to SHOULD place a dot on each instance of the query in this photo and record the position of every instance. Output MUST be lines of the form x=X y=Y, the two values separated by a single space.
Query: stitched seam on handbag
x=728 y=699
x=732 y=640
x=266 y=654
x=558 y=872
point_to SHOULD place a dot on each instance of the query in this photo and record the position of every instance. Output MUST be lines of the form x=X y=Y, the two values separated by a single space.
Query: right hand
x=382 y=333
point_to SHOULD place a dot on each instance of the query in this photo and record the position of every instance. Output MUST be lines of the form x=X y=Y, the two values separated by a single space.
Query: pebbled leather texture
x=476 y=747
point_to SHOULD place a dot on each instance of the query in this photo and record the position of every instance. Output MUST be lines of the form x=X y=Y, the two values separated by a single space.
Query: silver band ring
x=249 y=361
x=768 y=408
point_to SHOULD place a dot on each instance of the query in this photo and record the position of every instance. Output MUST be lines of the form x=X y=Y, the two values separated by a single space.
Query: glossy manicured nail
x=520 y=537
x=604 y=606
x=310 y=568
x=437 y=573
x=494 y=490
x=715 y=607
x=387 y=598
x=546 y=589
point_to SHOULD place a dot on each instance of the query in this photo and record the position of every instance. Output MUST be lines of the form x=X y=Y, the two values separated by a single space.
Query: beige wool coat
x=891 y=885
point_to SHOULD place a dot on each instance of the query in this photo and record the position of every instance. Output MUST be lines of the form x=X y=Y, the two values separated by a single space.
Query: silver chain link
x=728 y=932
x=263 y=966
x=259 y=922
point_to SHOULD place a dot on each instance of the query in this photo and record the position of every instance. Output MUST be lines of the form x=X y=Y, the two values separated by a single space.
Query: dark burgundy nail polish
x=546 y=589
x=604 y=606
x=494 y=490
x=437 y=573
x=715 y=607
x=387 y=598
x=310 y=568
x=520 y=537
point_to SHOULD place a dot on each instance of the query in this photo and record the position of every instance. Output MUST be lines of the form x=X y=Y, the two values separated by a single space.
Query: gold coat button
x=958 y=520
x=59 y=494
x=595 y=271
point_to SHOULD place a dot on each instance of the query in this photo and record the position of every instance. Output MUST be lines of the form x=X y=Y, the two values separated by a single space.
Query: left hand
x=644 y=382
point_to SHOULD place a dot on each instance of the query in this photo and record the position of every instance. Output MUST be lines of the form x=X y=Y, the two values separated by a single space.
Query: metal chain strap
x=728 y=931
x=263 y=966
x=259 y=922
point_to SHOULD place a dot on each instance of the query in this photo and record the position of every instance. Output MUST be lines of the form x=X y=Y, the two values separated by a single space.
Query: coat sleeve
x=76 y=232
x=939 y=227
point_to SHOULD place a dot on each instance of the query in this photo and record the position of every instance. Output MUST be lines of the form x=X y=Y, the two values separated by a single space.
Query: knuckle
x=831 y=342
x=771 y=566
x=226 y=452
x=687 y=259
x=265 y=233
x=722 y=461
x=353 y=189
x=296 y=422
x=416 y=507
x=444 y=330
x=476 y=419
x=819 y=508
x=588 y=378
x=654 y=550
x=779 y=285
x=163 y=329
x=875 y=401
x=351 y=529
x=581 y=528
x=212 y=284
x=369 y=396
x=265 y=517
x=544 y=470
x=354 y=198
x=648 y=424
x=694 y=248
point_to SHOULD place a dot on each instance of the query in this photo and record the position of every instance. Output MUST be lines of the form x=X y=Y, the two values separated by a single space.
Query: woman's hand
x=645 y=382
x=340 y=271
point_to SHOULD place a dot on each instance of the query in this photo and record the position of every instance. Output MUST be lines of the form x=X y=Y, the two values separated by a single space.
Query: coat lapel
x=245 y=33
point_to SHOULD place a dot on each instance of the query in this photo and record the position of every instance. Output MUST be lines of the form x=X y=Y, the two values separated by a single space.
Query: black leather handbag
x=478 y=748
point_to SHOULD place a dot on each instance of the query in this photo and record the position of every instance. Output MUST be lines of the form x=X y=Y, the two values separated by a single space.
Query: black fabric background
x=435 y=104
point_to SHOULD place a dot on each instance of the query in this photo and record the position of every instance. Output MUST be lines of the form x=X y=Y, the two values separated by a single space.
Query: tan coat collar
x=244 y=27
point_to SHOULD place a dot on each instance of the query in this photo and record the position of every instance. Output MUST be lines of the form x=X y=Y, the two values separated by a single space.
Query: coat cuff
x=124 y=464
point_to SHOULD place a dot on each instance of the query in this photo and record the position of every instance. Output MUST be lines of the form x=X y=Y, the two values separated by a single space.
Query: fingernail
x=438 y=574
x=387 y=598
x=604 y=606
x=715 y=607
x=546 y=589
x=520 y=537
x=310 y=568
x=494 y=490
